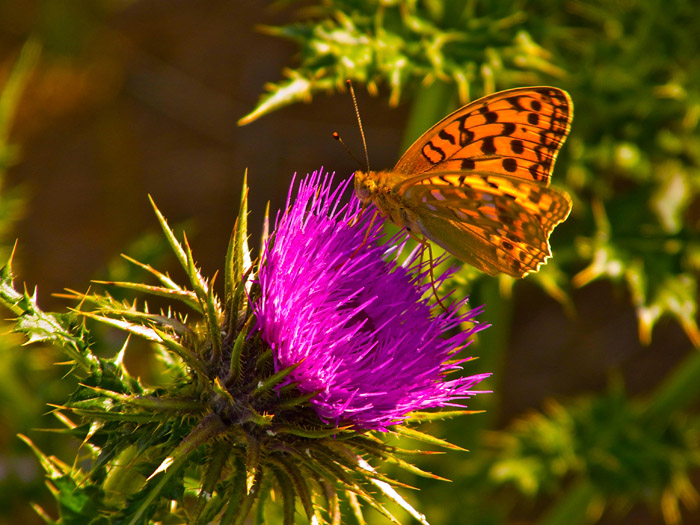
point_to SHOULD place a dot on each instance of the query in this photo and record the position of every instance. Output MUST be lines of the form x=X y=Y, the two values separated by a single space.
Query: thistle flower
x=271 y=390
x=335 y=301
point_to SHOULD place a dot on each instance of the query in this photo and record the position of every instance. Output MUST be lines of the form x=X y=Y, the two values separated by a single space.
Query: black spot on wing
x=517 y=146
x=444 y=135
x=468 y=164
x=515 y=102
x=534 y=197
x=535 y=171
x=491 y=117
x=510 y=164
x=433 y=153
x=487 y=146
x=466 y=136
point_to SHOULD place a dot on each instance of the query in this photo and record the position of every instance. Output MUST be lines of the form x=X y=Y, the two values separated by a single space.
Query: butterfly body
x=477 y=183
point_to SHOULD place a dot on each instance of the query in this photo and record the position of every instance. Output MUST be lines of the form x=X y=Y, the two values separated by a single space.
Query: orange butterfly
x=477 y=182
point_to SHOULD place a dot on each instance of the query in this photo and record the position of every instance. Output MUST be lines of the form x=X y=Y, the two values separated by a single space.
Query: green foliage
x=635 y=152
x=27 y=378
x=405 y=44
x=608 y=442
x=12 y=200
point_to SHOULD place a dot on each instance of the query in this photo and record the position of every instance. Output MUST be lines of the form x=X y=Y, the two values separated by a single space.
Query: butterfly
x=477 y=182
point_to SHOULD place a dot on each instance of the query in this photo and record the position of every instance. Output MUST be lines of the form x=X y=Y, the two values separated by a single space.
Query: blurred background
x=105 y=102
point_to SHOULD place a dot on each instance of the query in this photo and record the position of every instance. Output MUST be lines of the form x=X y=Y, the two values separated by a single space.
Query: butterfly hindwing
x=518 y=132
x=494 y=222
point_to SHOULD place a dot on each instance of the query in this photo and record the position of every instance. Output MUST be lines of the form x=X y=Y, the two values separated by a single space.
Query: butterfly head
x=365 y=187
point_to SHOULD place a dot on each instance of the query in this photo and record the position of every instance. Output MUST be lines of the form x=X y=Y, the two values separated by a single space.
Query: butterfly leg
x=357 y=217
x=369 y=229
x=423 y=240
x=364 y=241
x=426 y=242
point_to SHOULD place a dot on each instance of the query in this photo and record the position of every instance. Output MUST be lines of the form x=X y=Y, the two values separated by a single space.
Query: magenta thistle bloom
x=359 y=324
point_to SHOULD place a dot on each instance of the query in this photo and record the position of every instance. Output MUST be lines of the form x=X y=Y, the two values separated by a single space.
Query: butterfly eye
x=363 y=187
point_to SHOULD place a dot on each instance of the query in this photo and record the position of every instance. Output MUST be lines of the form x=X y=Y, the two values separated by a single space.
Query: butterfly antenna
x=337 y=137
x=359 y=120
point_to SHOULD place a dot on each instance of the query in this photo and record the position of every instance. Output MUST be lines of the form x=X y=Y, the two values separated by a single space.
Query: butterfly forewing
x=518 y=132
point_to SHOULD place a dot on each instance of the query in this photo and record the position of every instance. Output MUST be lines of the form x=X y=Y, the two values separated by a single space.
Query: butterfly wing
x=494 y=222
x=517 y=132
x=477 y=183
